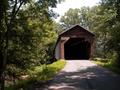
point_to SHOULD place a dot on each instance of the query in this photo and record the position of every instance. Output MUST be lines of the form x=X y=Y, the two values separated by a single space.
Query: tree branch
x=21 y=3
x=15 y=11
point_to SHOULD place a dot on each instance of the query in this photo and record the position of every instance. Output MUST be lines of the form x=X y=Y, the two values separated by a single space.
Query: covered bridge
x=75 y=43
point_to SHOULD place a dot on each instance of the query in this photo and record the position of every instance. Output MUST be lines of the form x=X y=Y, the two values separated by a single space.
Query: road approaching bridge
x=84 y=75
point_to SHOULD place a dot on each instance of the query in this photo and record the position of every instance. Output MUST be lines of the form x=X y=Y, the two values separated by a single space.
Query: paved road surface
x=84 y=75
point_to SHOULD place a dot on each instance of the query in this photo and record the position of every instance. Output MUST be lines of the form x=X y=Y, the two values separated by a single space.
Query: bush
x=39 y=74
x=109 y=65
x=47 y=72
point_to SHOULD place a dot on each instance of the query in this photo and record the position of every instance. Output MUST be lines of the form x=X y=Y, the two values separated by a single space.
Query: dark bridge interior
x=77 y=48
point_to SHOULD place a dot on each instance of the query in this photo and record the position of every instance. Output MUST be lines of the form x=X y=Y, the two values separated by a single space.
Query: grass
x=47 y=72
x=107 y=64
x=41 y=74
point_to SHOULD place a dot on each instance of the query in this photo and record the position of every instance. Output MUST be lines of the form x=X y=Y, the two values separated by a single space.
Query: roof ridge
x=73 y=27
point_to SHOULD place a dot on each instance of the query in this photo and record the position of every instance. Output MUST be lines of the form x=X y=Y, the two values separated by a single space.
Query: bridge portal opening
x=77 y=48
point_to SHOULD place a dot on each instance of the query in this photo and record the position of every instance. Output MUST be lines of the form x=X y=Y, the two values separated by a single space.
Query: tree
x=113 y=25
x=9 y=11
x=99 y=17
x=71 y=17
x=76 y=16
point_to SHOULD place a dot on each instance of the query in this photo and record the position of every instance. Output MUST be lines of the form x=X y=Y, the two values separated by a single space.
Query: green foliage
x=71 y=17
x=27 y=36
x=31 y=42
x=113 y=25
x=76 y=16
x=39 y=74
x=108 y=65
x=46 y=72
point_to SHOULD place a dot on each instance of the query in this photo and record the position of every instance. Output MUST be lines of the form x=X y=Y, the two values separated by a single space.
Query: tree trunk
x=3 y=61
x=2 y=9
x=2 y=81
x=1 y=72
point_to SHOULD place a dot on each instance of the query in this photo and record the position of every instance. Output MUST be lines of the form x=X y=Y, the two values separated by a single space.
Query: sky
x=67 y=4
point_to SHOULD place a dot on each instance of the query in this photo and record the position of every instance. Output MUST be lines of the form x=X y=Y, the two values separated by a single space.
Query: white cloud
x=65 y=6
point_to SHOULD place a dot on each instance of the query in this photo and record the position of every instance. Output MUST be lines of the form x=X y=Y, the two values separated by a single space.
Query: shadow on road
x=91 y=78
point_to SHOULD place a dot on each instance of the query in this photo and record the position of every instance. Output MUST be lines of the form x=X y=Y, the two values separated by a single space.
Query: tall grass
x=39 y=74
x=108 y=64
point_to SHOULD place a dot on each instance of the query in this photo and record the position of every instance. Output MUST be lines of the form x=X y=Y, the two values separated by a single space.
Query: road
x=84 y=75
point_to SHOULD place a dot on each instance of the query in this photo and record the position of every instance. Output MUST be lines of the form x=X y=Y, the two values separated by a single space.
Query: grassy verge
x=108 y=65
x=39 y=74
